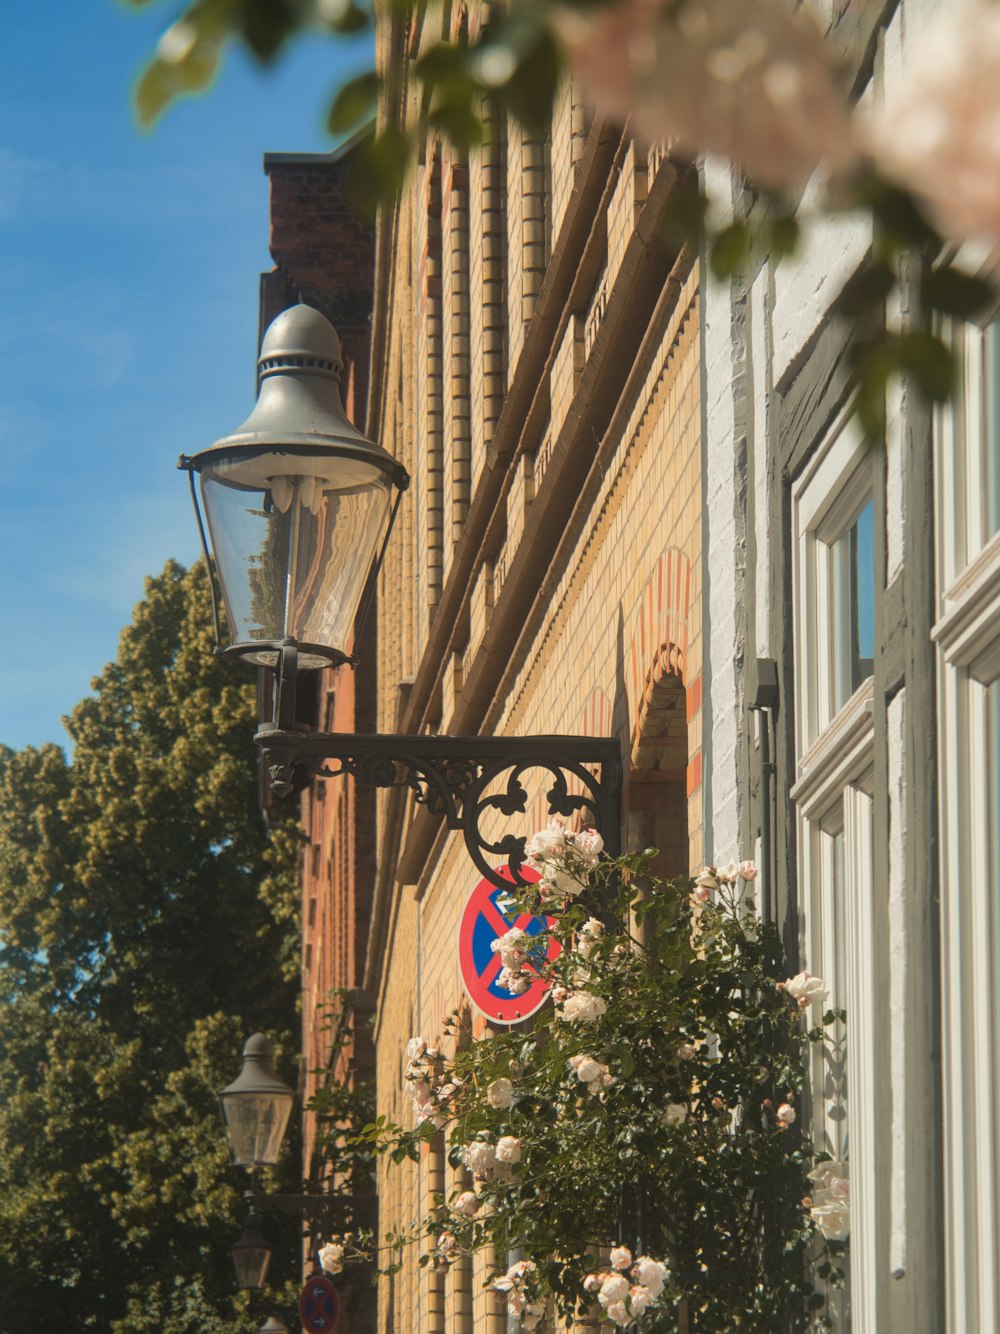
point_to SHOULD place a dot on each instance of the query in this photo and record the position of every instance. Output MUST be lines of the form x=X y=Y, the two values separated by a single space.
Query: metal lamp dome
x=299 y=503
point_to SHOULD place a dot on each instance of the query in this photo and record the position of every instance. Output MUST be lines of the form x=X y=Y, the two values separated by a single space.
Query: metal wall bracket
x=314 y=1208
x=465 y=779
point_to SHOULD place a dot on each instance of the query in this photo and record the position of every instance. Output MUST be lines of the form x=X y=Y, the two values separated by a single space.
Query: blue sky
x=128 y=319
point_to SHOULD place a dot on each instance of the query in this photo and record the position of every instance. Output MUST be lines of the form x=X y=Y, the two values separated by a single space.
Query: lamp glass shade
x=272 y=1325
x=251 y=1254
x=294 y=539
x=256 y=1107
x=298 y=501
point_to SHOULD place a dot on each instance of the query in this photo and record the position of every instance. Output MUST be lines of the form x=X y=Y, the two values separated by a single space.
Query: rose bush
x=652 y=1112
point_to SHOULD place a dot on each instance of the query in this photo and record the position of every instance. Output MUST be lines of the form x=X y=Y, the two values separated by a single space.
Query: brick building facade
x=641 y=510
x=535 y=365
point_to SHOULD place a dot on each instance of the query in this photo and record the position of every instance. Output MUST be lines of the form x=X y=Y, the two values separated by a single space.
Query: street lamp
x=252 y=1253
x=300 y=507
x=256 y=1107
x=299 y=503
x=272 y=1325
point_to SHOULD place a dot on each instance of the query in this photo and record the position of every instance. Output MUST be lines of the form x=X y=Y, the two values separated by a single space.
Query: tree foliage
x=147 y=926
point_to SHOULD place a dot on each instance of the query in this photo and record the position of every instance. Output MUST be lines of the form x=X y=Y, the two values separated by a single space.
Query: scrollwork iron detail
x=451 y=777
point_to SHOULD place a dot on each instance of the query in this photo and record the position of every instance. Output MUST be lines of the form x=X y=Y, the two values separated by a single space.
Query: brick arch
x=659 y=738
x=659 y=750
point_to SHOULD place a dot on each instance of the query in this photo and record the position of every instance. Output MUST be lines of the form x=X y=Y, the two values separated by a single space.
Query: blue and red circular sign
x=489 y=914
x=319 y=1305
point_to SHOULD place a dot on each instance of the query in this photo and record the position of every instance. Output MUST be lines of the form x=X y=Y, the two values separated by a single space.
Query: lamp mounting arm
x=316 y=1208
x=465 y=779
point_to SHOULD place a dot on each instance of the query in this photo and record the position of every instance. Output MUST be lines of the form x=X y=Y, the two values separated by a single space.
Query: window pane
x=853 y=578
x=992 y=441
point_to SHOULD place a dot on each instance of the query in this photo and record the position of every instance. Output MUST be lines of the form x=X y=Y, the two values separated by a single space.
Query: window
x=991 y=441
x=835 y=581
x=967 y=633
x=969 y=451
x=852 y=567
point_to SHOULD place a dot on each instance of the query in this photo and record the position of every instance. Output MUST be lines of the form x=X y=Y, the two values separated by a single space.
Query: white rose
x=614 y=1289
x=415 y=1048
x=508 y=1149
x=652 y=1274
x=582 y=1007
x=618 y=1312
x=500 y=1093
x=466 y=1204
x=686 y=1052
x=806 y=989
x=786 y=1114
x=547 y=843
x=676 y=1114
x=621 y=1257
x=706 y=878
x=331 y=1258
x=479 y=1157
x=588 y=844
x=587 y=1069
x=829 y=1173
x=639 y=1298
x=833 y=1218
x=561 y=883
x=748 y=871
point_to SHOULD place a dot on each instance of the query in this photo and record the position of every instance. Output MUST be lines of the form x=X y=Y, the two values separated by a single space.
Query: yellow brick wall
x=618 y=648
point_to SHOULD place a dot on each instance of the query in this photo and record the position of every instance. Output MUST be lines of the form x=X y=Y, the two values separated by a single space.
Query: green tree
x=147 y=926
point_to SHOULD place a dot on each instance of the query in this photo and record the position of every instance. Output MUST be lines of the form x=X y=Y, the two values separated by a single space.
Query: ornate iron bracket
x=338 y=1209
x=454 y=777
x=460 y=778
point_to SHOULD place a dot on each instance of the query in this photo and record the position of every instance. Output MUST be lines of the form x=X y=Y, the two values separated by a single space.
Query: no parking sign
x=489 y=914
x=319 y=1305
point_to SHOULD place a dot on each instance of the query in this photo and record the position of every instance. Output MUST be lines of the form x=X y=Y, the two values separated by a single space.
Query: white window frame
x=826 y=498
x=962 y=429
x=833 y=794
x=967 y=634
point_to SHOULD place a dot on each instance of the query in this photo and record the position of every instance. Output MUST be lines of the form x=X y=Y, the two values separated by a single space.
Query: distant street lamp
x=252 y=1253
x=256 y=1107
x=300 y=508
x=272 y=1325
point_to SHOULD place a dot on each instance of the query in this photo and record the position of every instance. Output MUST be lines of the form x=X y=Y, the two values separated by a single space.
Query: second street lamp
x=252 y=1253
x=300 y=508
x=256 y=1107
